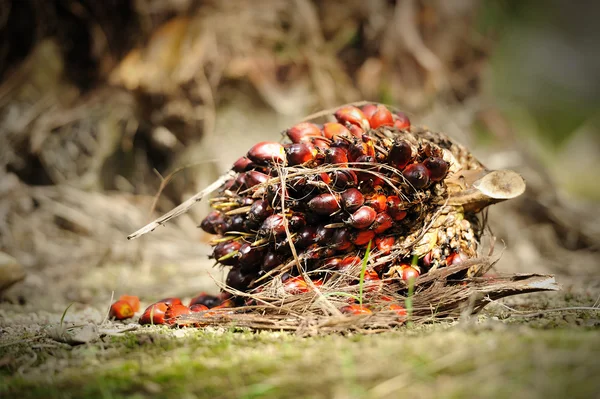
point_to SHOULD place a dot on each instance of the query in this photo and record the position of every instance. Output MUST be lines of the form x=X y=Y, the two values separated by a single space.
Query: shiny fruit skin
x=154 y=314
x=409 y=272
x=382 y=222
x=341 y=240
x=352 y=199
x=437 y=167
x=344 y=178
x=303 y=132
x=237 y=280
x=362 y=218
x=381 y=117
x=299 y=153
x=121 y=310
x=385 y=244
x=400 y=154
x=133 y=300
x=377 y=202
x=226 y=248
x=242 y=165
x=417 y=175
x=324 y=204
x=198 y=307
x=250 y=258
x=353 y=115
x=336 y=155
x=273 y=225
x=267 y=152
x=253 y=178
x=213 y=223
x=362 y=237
x=368 y=110
x=334 y=130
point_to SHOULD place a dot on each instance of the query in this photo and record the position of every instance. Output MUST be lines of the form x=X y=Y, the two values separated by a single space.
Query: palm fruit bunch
x=367 y=183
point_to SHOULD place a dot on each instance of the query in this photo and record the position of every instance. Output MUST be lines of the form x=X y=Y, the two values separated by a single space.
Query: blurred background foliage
x=102 y=102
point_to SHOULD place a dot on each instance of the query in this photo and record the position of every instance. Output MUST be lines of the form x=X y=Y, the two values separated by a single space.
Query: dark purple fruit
x=271 y=261
x=437 y=167
x=352 y=199
x=382 y=222
x=237 y=280
x=259 y=211
x=362 y=218
x=267 y=152
x=324 y=204
x=343 y=178
x=323 y=235
x=336 y=155
x=213 y=223
x=242 y=165
x=299 y=153
x=417 y=175
x=341 y=240
x=225 y=250
x=400 y=154
x=273 y=225
x=306 y=237
x=210 y=301
x=250 y=258
x=296 y=221
x=253 y=178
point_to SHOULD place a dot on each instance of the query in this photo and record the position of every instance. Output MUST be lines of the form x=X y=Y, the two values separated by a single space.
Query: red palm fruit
x=198 y=307
x=400 y=154
x=295 y=285
x=259 y=211
x=273 y=225
x=382 y=222
x=236 y=223
x=267 y=152
x=174 y=311
x=331 y=263
x=213 y=222
x=210 y=301
x=341 y=240
x=385 y=244
x=355 y=310
x=409 y=272
x=362 y=218
x=372 y=280
x=356 y=150
x=401 y=121
x=325 y=178
x=333 y=130
x=171 y=301
x=381 y=117
x=437 y=167
x=300 y=153
x=323 y=235
x=336 y=155
x=353 y=115
x=356 y=131
x=362 y=237
x=154 y=314
x=237 y=280
x=349 y=261
x=368 y=110
x=306 y=237
x=242 y=165
x=121 y=310
x=223 y=252
x=377 y=202
x=398 y=309
x=250 y=258
x=427 y=259
x=456 y=258
x=253 y=178
x=324 y=204
x=133 y=300
x=343 y=178
x=321 y=144
x=271 y=261
x=394 y=208
x=417 y=175
x=303 y=131
x=352 y=199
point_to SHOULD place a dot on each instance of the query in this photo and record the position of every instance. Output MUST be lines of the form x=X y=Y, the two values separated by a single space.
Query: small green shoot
x=362 y=273
x=62 y=318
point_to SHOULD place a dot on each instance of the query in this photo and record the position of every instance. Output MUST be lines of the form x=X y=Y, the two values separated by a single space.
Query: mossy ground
x=499 y=354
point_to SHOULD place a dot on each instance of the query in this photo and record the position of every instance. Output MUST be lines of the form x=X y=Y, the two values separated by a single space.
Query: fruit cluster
x=313 y=205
